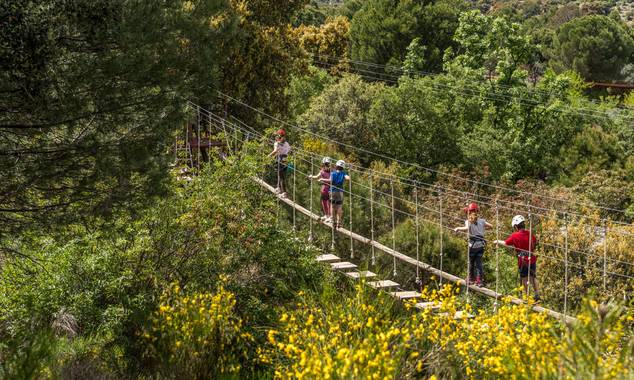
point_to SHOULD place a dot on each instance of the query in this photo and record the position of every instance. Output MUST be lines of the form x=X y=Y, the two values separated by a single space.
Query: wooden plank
x=382 y=284
x=361 y=274
x=343 y=265
x=327 y=258
x=461 y=314
x=434 y=306
x=424 y=266
x=405 y=295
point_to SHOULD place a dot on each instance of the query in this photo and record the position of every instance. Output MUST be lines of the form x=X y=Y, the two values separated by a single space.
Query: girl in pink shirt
x=324 y=173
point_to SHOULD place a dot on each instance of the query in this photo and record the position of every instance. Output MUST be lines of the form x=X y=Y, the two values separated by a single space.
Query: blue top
x=337 y=179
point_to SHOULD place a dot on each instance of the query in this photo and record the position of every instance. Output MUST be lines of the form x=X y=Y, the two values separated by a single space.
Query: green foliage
x=26 y=355
x=91 y=92
x=600 y=330
x=591 y=150
x=409 y=117
x=415 y=58
x=597 y=47
x=350 y=7
x=263 y=55
x=313 y=14
x=326 y=43
x=303 y=88
x=429 y=236
x=268 y=12
x=341 y=112
x=109 y=281
x=382 y=29
x=493 y=45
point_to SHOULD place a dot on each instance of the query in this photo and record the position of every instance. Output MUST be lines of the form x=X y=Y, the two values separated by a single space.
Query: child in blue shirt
x=337 y=181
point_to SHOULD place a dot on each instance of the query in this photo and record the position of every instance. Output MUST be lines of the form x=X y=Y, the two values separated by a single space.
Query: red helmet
x=281 y=132
x=471 y=208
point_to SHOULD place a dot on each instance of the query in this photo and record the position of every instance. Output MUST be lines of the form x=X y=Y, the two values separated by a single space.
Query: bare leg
x=534 y=285
x=524 y=281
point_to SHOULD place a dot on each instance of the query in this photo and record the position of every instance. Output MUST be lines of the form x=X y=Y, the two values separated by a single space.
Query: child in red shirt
x=526 y=258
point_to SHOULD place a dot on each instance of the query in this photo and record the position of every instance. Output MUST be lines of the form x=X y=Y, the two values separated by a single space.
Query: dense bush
x=109 y=282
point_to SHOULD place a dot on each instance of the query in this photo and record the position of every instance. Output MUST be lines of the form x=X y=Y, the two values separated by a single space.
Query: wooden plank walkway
x=424 y=266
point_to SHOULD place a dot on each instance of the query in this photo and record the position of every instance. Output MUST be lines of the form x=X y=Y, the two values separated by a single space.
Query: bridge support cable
x=350 y=216
x=332 y=223
x=565 y=264
x=468 y=277
x=294 y=198
x=188 y=148
x=235 y=136
x=310 y=207
x=497 y=255
x=277 y=213
x=418 y=280
x=393 y=227
x=198 y=137
x=176 y=150
x=224 y=132
x=530 y=249
x=605 y=255
x=441 y=227
x=372 y=218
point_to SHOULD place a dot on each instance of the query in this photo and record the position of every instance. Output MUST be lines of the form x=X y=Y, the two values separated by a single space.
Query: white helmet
x=341 y=163
x=325 y=160
x=517 y=219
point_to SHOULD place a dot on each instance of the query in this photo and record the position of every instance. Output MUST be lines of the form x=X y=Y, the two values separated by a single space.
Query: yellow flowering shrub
x=362 y=337
x=348 y=339
x=512 y=343
x=197 y=335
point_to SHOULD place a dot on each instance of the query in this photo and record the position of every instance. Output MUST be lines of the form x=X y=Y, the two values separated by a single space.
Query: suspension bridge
x=235 y=133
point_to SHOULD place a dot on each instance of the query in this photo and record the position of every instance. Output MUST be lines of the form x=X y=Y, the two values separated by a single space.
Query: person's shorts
x=473 y=252
x=336 y=197
x=524 y=270
x=325 y=196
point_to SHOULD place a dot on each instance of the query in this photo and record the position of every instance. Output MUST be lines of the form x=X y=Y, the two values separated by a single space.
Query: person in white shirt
x=281 y=150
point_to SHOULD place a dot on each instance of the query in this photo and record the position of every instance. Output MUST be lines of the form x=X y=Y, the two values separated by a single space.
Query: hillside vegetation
x=123 y=258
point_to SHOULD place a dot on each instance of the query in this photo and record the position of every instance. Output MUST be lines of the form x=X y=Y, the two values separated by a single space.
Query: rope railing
x=417 y=216
x=404 y=213
x=543 y=243
x=460 y=193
